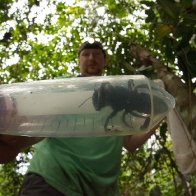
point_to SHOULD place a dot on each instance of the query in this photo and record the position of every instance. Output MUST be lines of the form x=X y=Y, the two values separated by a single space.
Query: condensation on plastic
x=83 y=106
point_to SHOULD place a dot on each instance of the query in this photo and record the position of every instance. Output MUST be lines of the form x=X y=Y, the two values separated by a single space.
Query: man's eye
x=85 y=54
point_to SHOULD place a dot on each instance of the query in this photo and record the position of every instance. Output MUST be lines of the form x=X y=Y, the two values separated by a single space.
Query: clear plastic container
x=83 y=106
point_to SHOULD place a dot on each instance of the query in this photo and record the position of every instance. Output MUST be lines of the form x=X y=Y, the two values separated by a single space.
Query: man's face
x=91 y=62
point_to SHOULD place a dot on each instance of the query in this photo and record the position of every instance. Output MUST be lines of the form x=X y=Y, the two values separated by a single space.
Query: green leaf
x=163 y=30
x=169 y=8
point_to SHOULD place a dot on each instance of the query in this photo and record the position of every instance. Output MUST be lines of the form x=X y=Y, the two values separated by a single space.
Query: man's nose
x=92 y=56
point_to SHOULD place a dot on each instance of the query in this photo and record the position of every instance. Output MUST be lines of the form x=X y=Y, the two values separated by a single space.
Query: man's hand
x=7 y=112
x=11 y=145
x=132 y=142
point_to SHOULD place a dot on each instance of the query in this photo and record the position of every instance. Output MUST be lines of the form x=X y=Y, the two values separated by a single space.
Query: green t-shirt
x=79 y=166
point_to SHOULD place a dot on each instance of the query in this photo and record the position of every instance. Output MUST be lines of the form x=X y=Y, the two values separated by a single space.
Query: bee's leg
x=124 y=119
x=131 y=85
x=108 y=119
x=136 y=114
x=146 y=124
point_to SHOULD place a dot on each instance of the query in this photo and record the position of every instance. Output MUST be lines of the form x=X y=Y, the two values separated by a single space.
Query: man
x=74 y=166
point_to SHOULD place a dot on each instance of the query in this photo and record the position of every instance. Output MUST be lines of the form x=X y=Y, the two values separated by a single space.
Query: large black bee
x=130 y=99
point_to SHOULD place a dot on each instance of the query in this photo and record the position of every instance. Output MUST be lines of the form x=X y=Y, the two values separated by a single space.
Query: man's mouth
x=92 y=65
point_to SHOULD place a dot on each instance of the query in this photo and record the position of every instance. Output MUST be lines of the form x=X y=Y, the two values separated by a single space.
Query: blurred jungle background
x=156 y=38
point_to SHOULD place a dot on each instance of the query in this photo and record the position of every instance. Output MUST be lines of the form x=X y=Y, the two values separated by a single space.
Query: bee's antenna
x=84 y=102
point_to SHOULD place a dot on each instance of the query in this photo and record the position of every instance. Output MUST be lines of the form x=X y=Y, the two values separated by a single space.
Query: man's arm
x=132 y=142
x=10 y=146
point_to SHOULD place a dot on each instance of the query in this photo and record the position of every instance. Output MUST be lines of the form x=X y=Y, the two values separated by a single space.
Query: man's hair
x=94 y=45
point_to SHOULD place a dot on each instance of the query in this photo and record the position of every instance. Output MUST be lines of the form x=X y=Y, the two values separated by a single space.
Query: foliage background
x=157 y=38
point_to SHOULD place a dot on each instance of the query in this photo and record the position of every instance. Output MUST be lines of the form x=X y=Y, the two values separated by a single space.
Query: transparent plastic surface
x=83 y=106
